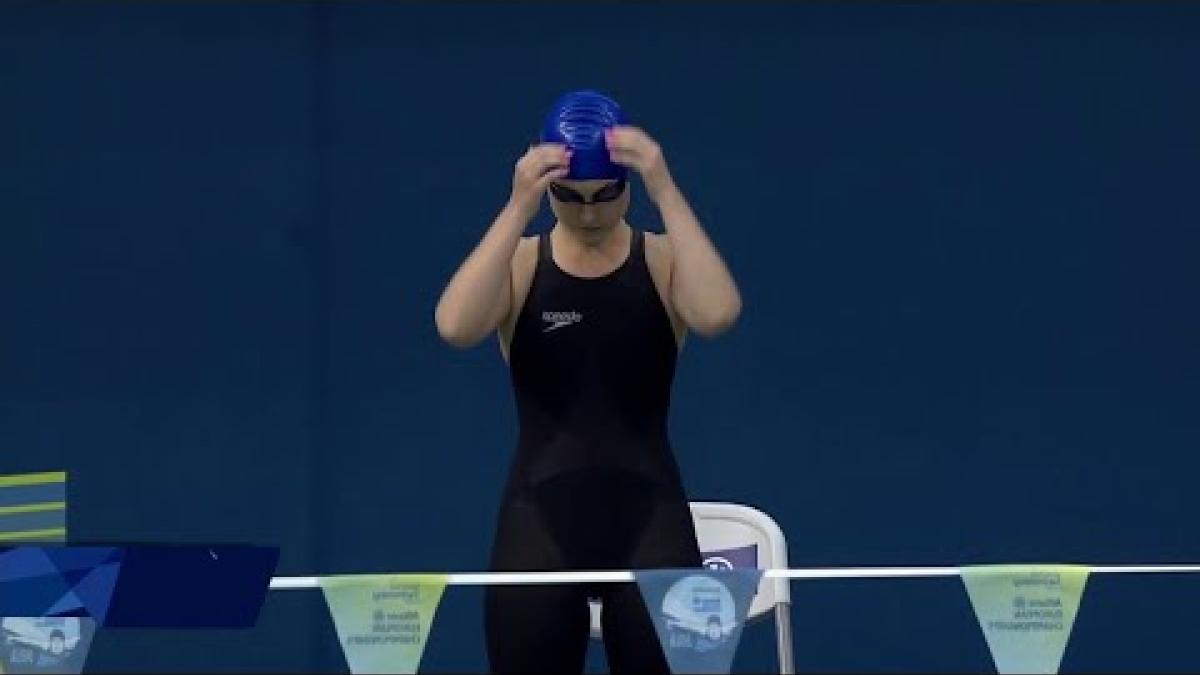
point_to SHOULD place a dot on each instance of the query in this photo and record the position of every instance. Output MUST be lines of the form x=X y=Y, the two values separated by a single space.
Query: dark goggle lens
x=607 y=193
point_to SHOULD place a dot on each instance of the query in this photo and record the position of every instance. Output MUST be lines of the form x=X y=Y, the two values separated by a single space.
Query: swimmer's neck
x=578 y=242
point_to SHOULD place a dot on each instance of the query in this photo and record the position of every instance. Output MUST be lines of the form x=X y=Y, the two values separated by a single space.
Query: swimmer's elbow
x=458 y=341
x=453 y=332
x=716 y=323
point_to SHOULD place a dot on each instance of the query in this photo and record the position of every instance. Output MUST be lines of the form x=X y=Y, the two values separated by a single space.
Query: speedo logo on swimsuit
x=556 y=320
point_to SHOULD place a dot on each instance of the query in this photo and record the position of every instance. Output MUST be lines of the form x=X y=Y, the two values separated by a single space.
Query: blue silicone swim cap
x=579 y=119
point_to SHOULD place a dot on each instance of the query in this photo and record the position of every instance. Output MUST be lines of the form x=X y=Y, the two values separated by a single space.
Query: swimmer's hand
x=533 y=173
x=633 y=148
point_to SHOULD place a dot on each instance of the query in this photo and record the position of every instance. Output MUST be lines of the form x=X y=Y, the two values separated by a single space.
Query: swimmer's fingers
x=541 y=159
x=557 y=173
x=632 y=147
x=545 y=153
x=536 y=168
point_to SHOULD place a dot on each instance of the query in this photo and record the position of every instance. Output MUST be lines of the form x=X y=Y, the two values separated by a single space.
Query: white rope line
x=620 y=576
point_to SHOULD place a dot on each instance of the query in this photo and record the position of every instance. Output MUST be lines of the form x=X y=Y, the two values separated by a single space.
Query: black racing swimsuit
x=594 y=483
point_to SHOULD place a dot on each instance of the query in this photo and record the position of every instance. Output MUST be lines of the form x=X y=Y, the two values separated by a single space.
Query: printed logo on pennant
x=698 y=614
x=48 y=644
x=383 y=621
x=1026 y=612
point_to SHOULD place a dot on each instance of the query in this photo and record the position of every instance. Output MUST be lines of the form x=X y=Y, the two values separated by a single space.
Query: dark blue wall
x=966 y=236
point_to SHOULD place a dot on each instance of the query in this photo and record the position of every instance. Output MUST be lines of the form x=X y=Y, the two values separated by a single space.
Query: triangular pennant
x=698 y=614
x=46 y=644
x=32 y=585
x=95 y=590
x=383 y=621
x=1026 y=612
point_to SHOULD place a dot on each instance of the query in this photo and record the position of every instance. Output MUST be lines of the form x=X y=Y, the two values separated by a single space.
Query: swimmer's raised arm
x=479 y=295
x=703 y=292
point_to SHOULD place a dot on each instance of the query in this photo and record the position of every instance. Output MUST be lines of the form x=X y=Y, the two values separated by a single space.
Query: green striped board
x=33 y=508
